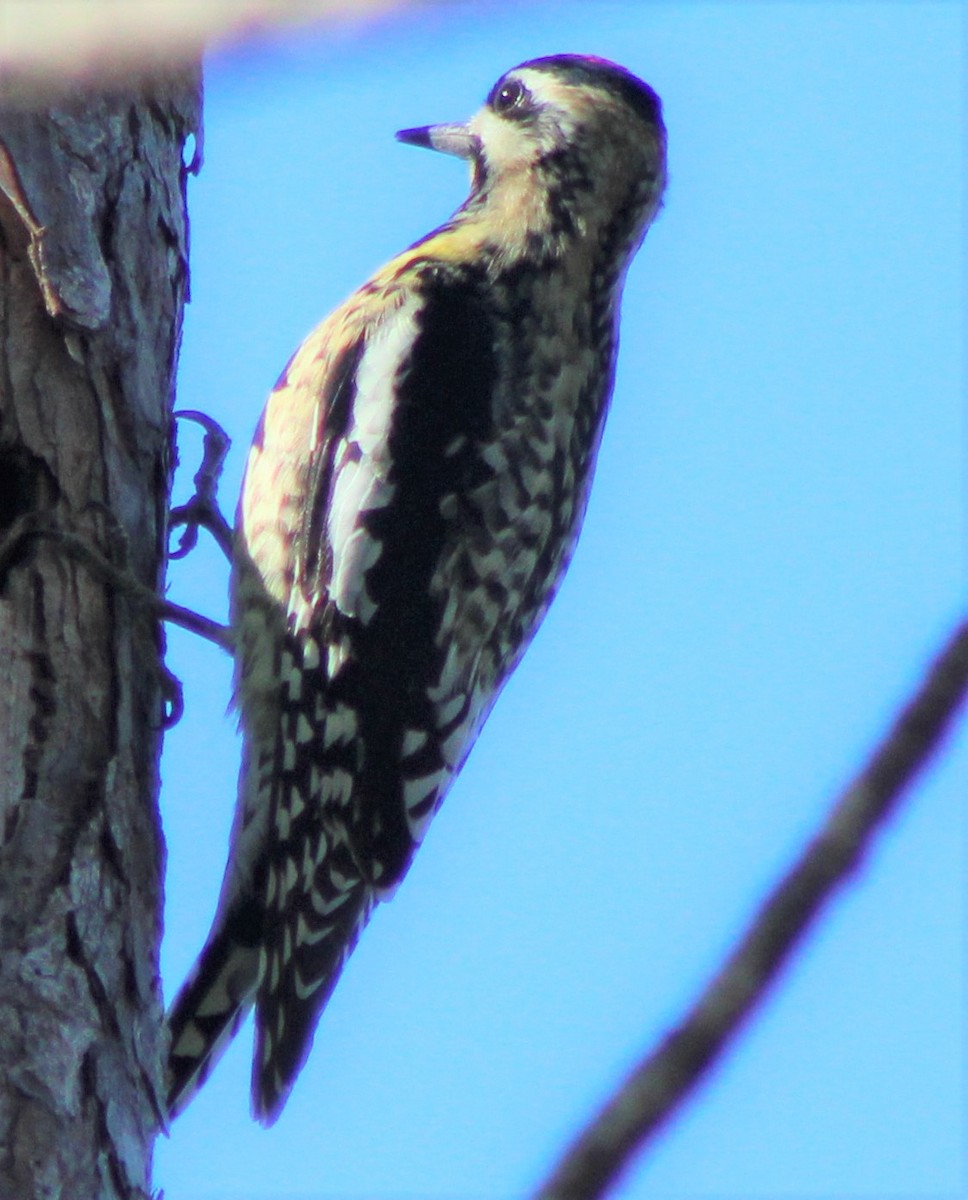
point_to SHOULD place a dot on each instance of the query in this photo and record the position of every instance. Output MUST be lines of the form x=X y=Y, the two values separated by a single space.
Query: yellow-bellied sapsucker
x=412 y=497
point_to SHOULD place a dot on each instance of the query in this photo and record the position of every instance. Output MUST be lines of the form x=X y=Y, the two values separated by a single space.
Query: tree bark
x=93 y=278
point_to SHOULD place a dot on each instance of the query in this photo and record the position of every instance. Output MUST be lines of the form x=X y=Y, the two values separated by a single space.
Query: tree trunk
x=93 y=278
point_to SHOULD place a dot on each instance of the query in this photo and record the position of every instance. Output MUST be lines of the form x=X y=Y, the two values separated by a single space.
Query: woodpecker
x=411 y=500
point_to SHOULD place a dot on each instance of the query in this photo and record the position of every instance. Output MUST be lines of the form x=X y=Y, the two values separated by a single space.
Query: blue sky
x=774 y=547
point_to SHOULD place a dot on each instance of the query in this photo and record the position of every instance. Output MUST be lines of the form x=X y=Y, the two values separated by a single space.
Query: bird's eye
x=509 y=96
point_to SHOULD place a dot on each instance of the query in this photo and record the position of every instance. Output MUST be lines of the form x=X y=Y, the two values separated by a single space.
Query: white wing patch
x=362 y=461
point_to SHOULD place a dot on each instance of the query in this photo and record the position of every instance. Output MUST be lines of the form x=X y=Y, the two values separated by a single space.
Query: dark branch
x=194 y=622
x=662 y=1081
x=36 y=525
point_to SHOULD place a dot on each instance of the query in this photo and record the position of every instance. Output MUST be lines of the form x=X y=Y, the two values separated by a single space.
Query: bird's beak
x=448 y=139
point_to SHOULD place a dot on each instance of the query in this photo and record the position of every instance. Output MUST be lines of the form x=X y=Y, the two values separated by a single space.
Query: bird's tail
x=208 y=1010
x=304 y=962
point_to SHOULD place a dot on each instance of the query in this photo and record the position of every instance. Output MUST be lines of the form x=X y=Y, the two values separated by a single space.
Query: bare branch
x=36 y=526
x=662 y=1081
x=100 y=38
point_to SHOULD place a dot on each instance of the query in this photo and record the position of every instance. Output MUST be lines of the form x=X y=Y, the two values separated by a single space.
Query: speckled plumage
x=412 y=498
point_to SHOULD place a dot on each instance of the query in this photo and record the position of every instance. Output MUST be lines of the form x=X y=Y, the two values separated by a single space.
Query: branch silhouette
x=660 y=1083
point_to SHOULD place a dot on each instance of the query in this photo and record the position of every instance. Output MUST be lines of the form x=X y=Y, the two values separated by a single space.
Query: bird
x=411 y=500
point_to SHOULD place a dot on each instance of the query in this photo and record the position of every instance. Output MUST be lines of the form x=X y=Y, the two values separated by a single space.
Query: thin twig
x=661 y=1082
x=194 y=622
x=36 y=525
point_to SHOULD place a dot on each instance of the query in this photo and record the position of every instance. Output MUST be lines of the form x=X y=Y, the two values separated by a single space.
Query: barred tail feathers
x=208 y=1011
x=214 y=1000
x=303 y=965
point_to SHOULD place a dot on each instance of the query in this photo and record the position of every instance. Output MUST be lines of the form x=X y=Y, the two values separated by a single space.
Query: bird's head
x=565 y=147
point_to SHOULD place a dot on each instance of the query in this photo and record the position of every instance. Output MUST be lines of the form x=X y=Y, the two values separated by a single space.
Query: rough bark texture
x=93 y=277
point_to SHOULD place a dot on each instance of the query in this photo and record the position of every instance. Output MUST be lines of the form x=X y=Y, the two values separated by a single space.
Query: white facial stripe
x=510 y=143
x=546 y=89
